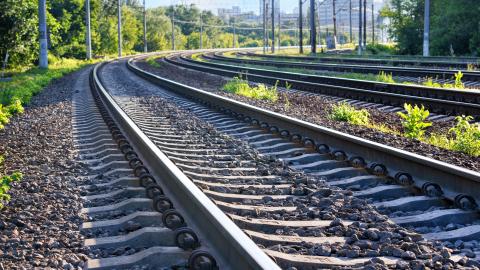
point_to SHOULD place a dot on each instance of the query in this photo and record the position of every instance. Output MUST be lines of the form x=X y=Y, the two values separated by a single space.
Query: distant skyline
x=245 y=5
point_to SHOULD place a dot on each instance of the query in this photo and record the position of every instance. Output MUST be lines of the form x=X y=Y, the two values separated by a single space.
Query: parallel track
x=438 y=101
x=458 y=63
x=419 y=72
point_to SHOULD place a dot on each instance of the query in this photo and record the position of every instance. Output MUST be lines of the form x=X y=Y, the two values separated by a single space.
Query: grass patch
x=463 y=137
x=241 y=87
x=152 y=61
x=347 y=113
x=19 y=91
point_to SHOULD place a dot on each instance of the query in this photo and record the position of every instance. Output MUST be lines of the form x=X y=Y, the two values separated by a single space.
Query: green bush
x=382 y=49
x=384 y=77
x=241 y=87
x=413 y=121
x=24 y=85
x=5 y=185
x=466 y=136
x=347 y=113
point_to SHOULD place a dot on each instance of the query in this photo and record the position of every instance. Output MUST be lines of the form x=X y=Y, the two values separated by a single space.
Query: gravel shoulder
x=316 y=109
x=39 y=227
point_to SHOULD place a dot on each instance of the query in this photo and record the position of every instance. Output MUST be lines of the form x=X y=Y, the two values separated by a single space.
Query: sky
x=245 y=5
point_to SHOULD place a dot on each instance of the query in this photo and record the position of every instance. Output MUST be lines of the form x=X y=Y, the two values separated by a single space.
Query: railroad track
x=442 y=102
x=457 y=63
x=299 y=191
x=131 y=222
x=413 y=74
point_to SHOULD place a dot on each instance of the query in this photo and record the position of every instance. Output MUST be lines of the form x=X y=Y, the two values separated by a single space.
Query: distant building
x=227 y=13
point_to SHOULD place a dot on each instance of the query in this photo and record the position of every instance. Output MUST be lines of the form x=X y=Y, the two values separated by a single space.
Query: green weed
x=458 y=80
x=241 y=87
x=5 y=185
x=347 y=113
x=413 y=121
x=152 y=61
x=466 y=136
x=384 y=77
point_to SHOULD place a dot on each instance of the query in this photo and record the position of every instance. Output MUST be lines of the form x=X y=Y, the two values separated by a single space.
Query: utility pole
x=313 y=28
x=359 y=27
x=350 y=18
x=273 y=26
x=201 y=31
x=42 y=22
x=279 y=28
x=300 y=26
x=373 y=25
x=119 y=28
x=145 y=49
x=334 y=25
x=264 y=26
x=426 y=29
x=89 y=37
x=320 y=25
x=364 y=23
x=173 y=30
x=233 y=24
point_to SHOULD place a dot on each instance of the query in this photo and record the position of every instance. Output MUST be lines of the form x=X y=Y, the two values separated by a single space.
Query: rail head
x=232 y=248
x=453 y=179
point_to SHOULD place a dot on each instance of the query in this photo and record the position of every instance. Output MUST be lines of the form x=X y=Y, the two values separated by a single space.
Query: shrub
x=5 y=185
x=382 y=49
x=413 y=121
x=347 y=113
x=384 y=77
x=241 y=87
x=466 y=136
x=458 y=80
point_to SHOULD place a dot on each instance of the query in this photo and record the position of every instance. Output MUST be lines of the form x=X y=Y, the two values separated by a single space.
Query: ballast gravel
x=39 y=227
x=316 y=110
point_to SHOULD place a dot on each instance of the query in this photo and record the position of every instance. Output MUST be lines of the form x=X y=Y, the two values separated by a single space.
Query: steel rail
x=379 y=94
x=380 y=61
x=469 y=96
x=456 y=182
x=217 y=232
x=395 y=71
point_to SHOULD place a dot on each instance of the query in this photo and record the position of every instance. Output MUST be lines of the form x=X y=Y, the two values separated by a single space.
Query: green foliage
x=152 y=61
x=18 y=31
x=458 y=80
x=241 y=87
x=458 y=84
x=4 y=116
x=413 y=121
x=347 y=113
x=466 y=136
x=5 y=185
x=384 y=77
x=448 y=24
x=26 y=84
x=382 y=49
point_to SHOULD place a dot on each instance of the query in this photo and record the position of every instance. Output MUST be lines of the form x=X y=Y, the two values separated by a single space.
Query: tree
x=453 y=24
x=18 y=31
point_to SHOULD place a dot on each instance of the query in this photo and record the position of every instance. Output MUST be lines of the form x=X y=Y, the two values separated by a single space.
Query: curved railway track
x=418 y=72
x=439 y=101
x=298 y=190
x=457 y=63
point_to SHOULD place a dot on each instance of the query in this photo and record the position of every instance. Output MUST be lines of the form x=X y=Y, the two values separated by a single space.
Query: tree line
x=66 y=29
x=454 y=26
